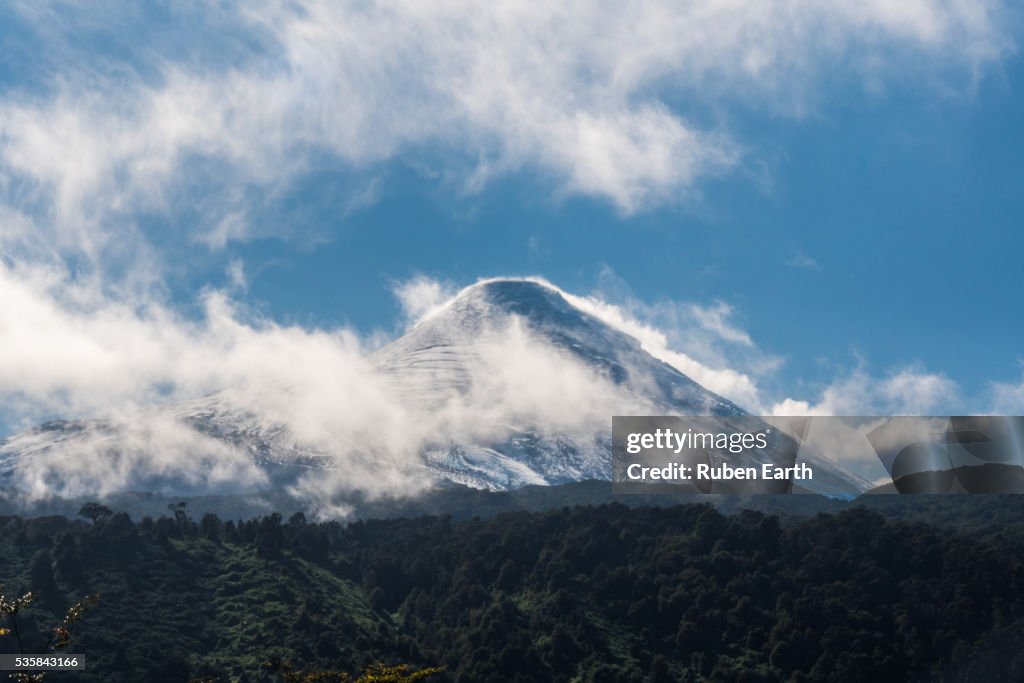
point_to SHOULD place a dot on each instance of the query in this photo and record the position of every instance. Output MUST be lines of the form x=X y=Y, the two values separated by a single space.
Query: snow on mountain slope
x=507 y=385
x=433 y=356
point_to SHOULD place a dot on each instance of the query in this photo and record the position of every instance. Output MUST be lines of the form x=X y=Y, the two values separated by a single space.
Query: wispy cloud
x=904 y=391
x=422 y=296
x=701 y=341
x=236 y=276
x=1007 y=398
x=802 y=260
x=254 y=95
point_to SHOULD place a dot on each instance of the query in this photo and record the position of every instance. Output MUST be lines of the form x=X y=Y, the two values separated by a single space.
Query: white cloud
x=802 y=260
x=701 y=341
x=908 y=391
x=256 y=94
x=67 y=347
x=918 y=393
x=725 y=381
x=236 y=275
x=1007 y=398
x=158 y=451
x=422 y=296
x=715 y=319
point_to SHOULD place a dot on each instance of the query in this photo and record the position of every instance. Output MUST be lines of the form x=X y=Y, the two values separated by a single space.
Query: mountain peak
x=542 y=306
x=518 y=296
x=514 y=289
x=485 y=308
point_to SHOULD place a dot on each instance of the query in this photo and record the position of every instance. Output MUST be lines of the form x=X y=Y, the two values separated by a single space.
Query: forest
x=923 y=589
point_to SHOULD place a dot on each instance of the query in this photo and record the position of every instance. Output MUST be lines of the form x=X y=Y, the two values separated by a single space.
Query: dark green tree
x=95 y=511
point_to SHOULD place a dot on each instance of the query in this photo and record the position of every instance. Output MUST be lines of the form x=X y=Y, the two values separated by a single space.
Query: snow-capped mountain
x=509 y=384
x=442 y=356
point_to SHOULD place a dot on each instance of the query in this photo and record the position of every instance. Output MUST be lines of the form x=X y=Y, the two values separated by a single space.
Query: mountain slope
x=433 y=355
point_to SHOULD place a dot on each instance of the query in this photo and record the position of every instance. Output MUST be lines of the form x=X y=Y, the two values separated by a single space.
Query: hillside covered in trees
x=593 y=593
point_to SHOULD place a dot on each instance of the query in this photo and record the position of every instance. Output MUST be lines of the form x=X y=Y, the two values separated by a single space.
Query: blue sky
x=842 y=184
